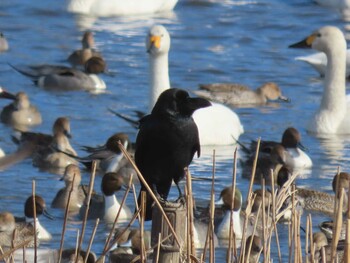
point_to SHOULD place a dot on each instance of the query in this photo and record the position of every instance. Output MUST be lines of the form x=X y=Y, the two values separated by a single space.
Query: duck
x=69 y=255
x=24 y=232
x=318 y=201
x=109 y=156
x=62 y=78
x=238 y=95
x=40 y=209
x=296 y=157
x=4 y=45
x=19 y=114
x=217 y=124
x=79 y=192
x=81 y=56
x=106 y=206
x=222 y=230
x=119 y=7
x=253 y=249
x=274 y=160
x=319 y=62
x=333 y=115
x=52 y=156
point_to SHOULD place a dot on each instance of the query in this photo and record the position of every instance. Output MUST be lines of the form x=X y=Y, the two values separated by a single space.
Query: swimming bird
x=109 y=156
x=4 y=46
x=106 y=207
x=333 y=115
x=319 y=62
x=274 y=161
x=291 y=141
x=20 y=114
x=79 y=192
x=81 y=56
x=217 y=124
x=253 y=249
x=24 y=232
x=166 y=142
x=62 y=78
x=40 y=209
x=222 y=230
x=239 y=95
x=119 y=7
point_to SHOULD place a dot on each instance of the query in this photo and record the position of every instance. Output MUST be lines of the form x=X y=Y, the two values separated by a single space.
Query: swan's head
x=324 y=39
x=158 y=40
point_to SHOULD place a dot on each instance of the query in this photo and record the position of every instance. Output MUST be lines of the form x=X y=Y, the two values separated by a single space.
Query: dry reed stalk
x=338 y=223
x=117 y=216
x=190 y=221
x=9 y=252
x=300 y=258
x=254 y=168
x=248 y=210
x=152 y=248
x=150 y=192
x=34 y=225
x=251 y=241
x=91 y=240
x=76 y=251
x=307 y=239
x=347 y=233
x=273 y=194
x=65 y=221
x=158 y=248
x=264 y=221
x=135 y=200
x=142 y=226
x=91 y=187
x=232 y=235
x=311 y=237
x=210 y=232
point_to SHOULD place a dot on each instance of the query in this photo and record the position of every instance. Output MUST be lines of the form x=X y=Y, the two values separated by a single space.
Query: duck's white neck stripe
x=111 y=205
x=159 y=77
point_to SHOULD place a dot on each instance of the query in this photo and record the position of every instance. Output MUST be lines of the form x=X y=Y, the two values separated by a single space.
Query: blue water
x=212 y=41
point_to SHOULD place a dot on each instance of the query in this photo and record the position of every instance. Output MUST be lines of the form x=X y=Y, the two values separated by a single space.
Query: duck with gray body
x=20 y=114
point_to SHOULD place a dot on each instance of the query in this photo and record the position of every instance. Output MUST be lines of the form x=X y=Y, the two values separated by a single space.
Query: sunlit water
x=212 y=41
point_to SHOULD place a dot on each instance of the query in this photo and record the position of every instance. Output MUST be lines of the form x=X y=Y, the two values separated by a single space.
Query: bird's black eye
x=318 y=35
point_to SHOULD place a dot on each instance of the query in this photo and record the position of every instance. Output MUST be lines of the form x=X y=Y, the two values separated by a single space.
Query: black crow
x=166 y=142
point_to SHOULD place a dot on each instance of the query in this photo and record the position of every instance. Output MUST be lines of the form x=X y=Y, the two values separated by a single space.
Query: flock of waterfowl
x=217 y=124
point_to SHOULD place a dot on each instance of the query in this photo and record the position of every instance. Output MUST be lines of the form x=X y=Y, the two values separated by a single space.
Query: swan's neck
x=334 y=93
x=159 y=77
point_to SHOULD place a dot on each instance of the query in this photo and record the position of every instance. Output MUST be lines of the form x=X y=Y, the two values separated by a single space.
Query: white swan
x=319 y=62
x=119 y=7
x=333 y=116
x=217 y=124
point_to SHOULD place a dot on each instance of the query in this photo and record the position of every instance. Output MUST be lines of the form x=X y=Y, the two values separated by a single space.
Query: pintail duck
x=217 y=124
x=61 y=78
x=20 y=113
x=40 y=206
x=274 y=160
x=109 y=156
x=238 y=95
x=129 y=244
x=333 y=115
x=318 y=201
x=253 y=249
x=222 y=231
x=79 y=192
x=81 y=56
x=4 y=46
x=24 y=232
x=106 y=207
x=291 y=141
x=69 y=256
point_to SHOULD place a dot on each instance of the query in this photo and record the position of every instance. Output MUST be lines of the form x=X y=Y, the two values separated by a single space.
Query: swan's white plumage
x=217 y=124
x=333 y=115
x=119 y=7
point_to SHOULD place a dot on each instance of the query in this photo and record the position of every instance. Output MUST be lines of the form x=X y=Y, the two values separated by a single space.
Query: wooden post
x=170 y=252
